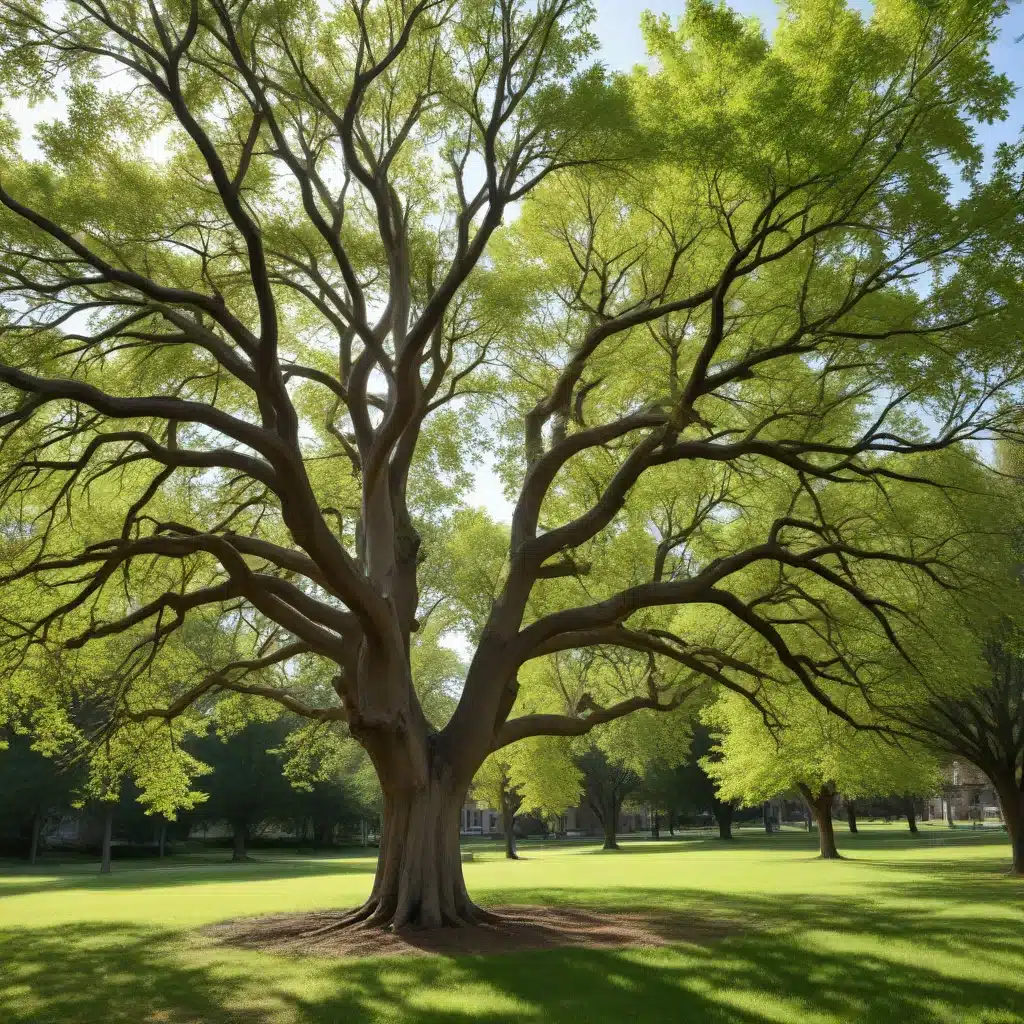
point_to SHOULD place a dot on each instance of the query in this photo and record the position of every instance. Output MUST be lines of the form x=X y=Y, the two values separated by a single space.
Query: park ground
x=906 y=929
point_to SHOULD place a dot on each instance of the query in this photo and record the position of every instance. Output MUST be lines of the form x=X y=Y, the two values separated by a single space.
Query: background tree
x=701 y=790
x=985 y=726
x=242 y=386
x=815 y=753
x=32 y=787
x=606 y=785
x=246 y=787
x=494 y=787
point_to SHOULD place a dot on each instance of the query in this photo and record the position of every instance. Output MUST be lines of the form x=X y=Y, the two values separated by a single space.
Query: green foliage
x=815 y=748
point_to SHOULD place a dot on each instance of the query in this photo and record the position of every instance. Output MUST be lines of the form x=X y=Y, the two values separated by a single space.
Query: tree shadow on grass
x=790 y=959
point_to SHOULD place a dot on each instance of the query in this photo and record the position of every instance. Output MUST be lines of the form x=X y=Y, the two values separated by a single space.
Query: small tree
x=814 y=753
x=606 y=785
x=494 y=785
x=700 y=788
x=246 y=787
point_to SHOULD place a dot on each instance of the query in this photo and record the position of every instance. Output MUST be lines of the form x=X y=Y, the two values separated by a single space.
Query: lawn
x=925 y=929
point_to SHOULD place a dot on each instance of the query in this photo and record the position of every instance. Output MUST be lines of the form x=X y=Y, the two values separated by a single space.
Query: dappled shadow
x=880 y=958
x=118 y=973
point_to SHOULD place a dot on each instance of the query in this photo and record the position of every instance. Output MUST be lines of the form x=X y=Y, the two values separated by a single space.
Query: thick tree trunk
x=949 y=813
x=655 y=826
x=108 y=832
x=911 y=813
x=766 y=813
x=820 y=806
x=851 y=815
x=723 y=815
x=1011 y=799
x=419 y=881
x=33 y=844
x=238 y=847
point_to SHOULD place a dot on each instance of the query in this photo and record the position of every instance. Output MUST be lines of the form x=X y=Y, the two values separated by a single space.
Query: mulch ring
x=518 y=928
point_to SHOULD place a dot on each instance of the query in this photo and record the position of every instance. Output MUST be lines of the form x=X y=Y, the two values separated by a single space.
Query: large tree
x=244 y=381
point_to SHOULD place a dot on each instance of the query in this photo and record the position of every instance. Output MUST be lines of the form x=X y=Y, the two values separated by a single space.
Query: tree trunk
x=723 y=815
x=820 y=806
x=238 y=849
x=949 y=813
x=508 y=821
x=851 y=815
x=766 y=813
x=911 y=813
x=33 y=844
x=611 y=820
x=1011 y=799
x=655 y=829
x=108 y=831
x=419 y=881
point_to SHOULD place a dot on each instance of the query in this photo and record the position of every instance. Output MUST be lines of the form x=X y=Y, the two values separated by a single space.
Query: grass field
x=926 y=929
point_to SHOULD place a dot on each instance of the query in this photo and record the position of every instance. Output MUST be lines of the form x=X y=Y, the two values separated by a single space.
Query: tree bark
x=851 y=815
x=911 y=813
x=949 y=813
x=723 y=815
x=820 y=806
x=655 y=826
x=238 y=848
x=108 y=831
x=766 y=813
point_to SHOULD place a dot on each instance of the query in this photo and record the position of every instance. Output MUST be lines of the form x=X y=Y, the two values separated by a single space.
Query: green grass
x=903 y=930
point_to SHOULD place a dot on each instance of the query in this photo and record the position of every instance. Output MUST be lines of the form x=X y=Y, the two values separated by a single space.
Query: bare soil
x=514 y=928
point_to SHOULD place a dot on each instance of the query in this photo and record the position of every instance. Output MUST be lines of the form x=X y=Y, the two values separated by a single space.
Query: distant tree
x=246 y=787
x=700 y=788
x=494 y=786
x=32 y=786
x=851 y=812
x=606 y=785
x=815 y=753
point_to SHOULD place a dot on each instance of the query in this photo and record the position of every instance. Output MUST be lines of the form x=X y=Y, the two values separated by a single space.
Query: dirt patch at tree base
x=515 y=928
